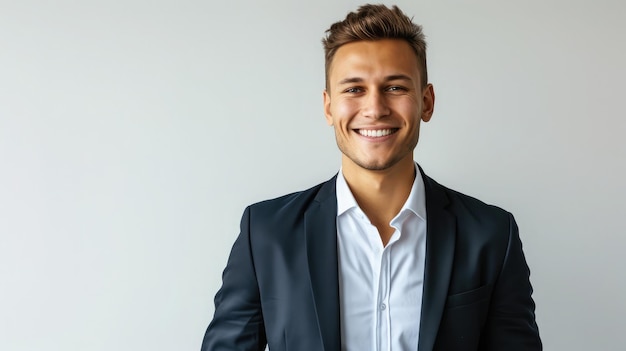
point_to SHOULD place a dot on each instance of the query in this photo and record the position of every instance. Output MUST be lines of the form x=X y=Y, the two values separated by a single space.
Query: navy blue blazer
x=280 y=285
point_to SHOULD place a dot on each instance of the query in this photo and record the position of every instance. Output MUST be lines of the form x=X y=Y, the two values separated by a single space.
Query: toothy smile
x=376 y=133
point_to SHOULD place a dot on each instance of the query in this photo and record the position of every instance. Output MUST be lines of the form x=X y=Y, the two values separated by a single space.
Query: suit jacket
x=280 y=285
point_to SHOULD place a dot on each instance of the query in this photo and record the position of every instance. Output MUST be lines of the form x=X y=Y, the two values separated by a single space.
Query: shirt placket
x=383 y=307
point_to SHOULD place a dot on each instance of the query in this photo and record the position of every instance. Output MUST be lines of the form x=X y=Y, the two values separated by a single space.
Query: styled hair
x=375 y=22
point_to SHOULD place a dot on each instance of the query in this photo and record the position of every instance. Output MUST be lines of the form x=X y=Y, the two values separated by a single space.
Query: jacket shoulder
x=469 y=207
x=483 y=232
x=292 y=205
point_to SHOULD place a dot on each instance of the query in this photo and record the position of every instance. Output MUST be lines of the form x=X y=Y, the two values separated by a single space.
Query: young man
x=380 y=257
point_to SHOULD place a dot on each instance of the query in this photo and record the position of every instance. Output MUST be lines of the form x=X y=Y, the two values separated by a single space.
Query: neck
x=380 y=194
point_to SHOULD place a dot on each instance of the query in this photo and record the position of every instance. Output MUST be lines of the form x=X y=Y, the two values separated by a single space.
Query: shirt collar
x=345 y=199
x=416 y=202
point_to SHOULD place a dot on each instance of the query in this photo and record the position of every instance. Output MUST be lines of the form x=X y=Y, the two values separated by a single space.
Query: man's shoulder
x=477 y=223
x=460 y=202
x=295 y=202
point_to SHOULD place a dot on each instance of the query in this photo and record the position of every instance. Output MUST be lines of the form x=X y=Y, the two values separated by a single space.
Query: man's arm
x=238 y=321
x=511 y=322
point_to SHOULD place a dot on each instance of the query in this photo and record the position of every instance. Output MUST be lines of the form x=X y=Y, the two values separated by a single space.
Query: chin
x=375 y=165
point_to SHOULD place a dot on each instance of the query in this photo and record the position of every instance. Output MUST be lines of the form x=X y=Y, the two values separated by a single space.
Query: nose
x=375 y=105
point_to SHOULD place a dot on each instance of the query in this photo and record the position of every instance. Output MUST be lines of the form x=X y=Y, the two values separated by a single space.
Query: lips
x=376 y=133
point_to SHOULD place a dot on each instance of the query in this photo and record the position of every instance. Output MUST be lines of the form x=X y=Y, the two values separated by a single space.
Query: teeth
x=375 y=133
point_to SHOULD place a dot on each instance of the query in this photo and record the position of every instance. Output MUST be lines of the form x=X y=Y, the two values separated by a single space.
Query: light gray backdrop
x=133 y=133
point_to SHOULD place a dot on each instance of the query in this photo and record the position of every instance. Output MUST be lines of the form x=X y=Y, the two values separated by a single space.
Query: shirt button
x=383 y=306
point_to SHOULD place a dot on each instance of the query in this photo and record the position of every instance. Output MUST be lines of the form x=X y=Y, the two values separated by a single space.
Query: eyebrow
x=387 y=79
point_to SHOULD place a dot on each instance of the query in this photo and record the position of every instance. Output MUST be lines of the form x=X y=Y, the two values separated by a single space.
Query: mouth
x=376 y=133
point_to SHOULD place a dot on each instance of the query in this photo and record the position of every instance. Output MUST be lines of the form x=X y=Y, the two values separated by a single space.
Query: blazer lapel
x=320 y=226
x=440 y=242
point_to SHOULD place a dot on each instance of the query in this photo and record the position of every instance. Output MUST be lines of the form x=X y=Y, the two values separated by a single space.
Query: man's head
x=375 y=22
x=376 y=88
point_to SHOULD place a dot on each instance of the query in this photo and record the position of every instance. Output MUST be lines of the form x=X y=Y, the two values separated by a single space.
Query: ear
x=329 y=117
x=428 y=103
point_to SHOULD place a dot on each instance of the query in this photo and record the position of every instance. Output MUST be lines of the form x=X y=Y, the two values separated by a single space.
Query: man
x=380 y=257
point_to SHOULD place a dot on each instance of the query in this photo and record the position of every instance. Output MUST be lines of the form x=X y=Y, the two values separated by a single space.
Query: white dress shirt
x=380 y=288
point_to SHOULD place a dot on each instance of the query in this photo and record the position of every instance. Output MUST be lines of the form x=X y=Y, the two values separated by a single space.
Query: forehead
x=372 y=58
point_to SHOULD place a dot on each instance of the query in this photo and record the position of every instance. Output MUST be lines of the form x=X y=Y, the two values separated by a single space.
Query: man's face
x=375 y=102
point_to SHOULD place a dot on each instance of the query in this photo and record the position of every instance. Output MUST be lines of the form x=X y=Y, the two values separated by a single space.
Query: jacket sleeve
x=238 y=321
x=511 y=322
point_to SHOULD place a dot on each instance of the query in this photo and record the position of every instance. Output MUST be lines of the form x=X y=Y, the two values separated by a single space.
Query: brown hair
x=375 y=22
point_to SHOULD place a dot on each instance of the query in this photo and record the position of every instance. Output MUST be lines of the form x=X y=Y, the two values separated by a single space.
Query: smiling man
x=380 y=257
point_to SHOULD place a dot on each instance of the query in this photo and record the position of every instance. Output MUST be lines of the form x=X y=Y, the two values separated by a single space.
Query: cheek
x=408 y=107
x=344 y=110
x=410 y=111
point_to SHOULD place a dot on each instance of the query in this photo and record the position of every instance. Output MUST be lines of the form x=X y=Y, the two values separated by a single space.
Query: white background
x=133 y=134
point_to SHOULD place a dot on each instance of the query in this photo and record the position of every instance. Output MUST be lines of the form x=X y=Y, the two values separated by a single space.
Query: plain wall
x=133 y=134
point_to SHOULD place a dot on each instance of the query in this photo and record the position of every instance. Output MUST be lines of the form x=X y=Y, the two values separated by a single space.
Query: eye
x=396 y=88
x=353 y=90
